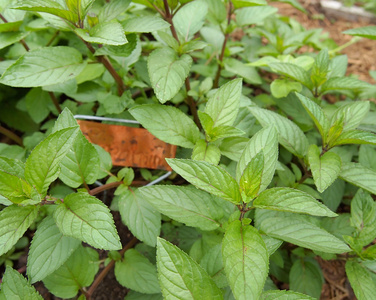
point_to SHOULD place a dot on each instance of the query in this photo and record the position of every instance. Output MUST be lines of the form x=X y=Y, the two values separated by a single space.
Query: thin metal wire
x=159 y=179
x=96 y=118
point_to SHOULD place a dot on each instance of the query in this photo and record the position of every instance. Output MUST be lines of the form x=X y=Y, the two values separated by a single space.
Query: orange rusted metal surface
x=129 y=146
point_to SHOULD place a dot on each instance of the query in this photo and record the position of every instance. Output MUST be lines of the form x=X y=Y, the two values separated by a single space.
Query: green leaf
x=112 y=9
x=297 y=5
x=325 y=168
x=44 y=66
x=361 y=280
x=181 y=277
x=320 y=68
x=344 y=83
x=291 y=200
x=124 y=50
x=189 y=19
x=246 y=3
x=352 y=114
x=10 y=26
x=253 y=15
x=245 y=259
x=9 y=38
x=65 y=120
x=298 y=229
x=251 y=179
x=216 y=11
x=12 y=166
x=15 y=286
x=292 y=71
x=185 y=204
x=206 y=152
x=132 y=295
x=14 y=221
x=144 y=24
x=208 y=177
x=284 y=295
x=76 y=273
x=363 y=217
x=249 y=74
x=86 y=218
x=233 y=147
x=224 y=131
x=280 y=88
x=81 y=164
x=167 y=72
x=46 y=6
x=167 y=123
x=317 y=115
x=360 y=176
x=49 y=250
x=42 y=166
x=213 y=264
x=37 y=102
x=265 y=140
x=368 y=32
x=354 y=137
x=136 y=272
x=306 y=277
x=107 y=33
x=333 y=195
x=223 y=106
x=79 y=7
x=140 y=217
x=290 y=135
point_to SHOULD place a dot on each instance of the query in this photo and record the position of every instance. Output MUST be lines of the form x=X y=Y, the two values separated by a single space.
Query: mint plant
x=266 y=171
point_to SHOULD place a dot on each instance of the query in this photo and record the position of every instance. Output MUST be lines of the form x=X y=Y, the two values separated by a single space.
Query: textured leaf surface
x=167 y=123
x=112 y=9
x=49 y=250
x=136 y=272
x=167 y=72
x=208 y=177
x=367 y=32
x=43 y=67
x=265 y=140
x=254 y=14
x=290 y=135
x=107 y=33
x=77 y=272
x=355 y=137
x=352 y=114
x=81 y=164
x=143 y=220
x=15 y=286
x=361 y=280
x=86 y=218
x=344 y=83
x=14 y=221
x=245 y=260
x=206 y=152
x=15 y=189
x=251 y=180
x=297 y=229
x=42 y=166
x=291 y=200
x=185 y=204
x=284 y=295
x=359 y=175
x=144 y=24
x=292 y=71
x=325 y=168
x=9 y=38
x=181 y=277
x=233 y=147
x=213 y=264
x=223 y=106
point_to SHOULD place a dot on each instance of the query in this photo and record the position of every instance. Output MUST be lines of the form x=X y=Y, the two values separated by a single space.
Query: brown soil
x=361 y=55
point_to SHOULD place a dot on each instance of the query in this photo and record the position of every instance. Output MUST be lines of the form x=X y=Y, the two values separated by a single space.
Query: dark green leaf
x=361 y=280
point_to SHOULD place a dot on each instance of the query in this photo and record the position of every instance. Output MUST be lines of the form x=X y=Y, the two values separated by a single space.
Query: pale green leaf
x=359 y=175
x=86 y=218
x=251 y=179
x=290 y=135
x=167 y=123
x=16 y=189
x=44 y=66
x=284 y=295
x=81 y=164
x=223 y=106
x=233 y=147
x=249 y=73
x=333 y=195
x=246 y=3
x=137 y=273
x=143 y=220
x=291 y=200
x=361 y=280
x=368 y=32
x=167 y=72
x=190 y=18
x=185 y=204
x=75 y=274
x=265 y=140
x=180 y=277
x=49 y=250
x=144 y=24
x=9 y=38
x=280 y=88
x=16 y=287
x=344 y=83
x=355 y=137
x=112 y=9
x=224 y=131
x=352 y=114
x=292 y=71
x=245 y=259
x=206 y=152
x=367 y=156
x=216 y=11
x=325 y=168
x=14 y=221
x=42 y=166
x=208 y=177
x=253 y=15
x=298 y=229
x=107 y=33
x=213 y=264
x=12 y=166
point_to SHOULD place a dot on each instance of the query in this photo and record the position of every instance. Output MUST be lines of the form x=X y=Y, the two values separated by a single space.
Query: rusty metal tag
x=129 y=146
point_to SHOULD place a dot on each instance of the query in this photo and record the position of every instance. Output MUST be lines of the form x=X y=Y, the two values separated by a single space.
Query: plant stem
x=105 y=187
x=104 y=272
x=53 y=38
x=221 y=56
x=55 y=101
x=110 y=68
x=11 y=135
